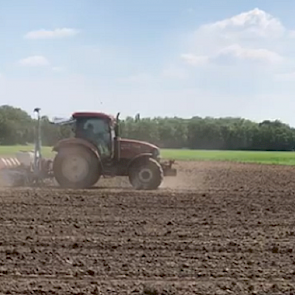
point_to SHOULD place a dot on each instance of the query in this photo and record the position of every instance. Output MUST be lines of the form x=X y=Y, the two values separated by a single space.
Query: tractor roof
x=92 y=115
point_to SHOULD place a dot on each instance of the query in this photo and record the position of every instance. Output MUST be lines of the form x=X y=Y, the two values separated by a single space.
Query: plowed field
x=217 y=228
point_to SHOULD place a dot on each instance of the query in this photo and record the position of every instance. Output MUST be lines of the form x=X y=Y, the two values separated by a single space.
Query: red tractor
x=97 y=150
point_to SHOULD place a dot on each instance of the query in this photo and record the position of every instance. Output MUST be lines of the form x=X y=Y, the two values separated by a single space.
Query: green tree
x=17 y=127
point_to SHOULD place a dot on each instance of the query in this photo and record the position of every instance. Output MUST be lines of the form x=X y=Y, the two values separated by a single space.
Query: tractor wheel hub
x=75 y=168
x=145 y=175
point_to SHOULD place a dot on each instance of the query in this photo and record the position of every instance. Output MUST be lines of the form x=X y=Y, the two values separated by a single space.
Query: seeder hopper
x=96 y=150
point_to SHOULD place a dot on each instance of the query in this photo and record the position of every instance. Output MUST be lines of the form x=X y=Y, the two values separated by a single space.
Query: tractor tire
x=146 y=175
x=76 y=167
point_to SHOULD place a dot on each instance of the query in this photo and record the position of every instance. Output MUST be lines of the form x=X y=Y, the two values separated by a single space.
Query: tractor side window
x=97 y=131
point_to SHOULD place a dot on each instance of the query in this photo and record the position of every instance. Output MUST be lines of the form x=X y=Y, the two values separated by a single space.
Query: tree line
x=17 y=127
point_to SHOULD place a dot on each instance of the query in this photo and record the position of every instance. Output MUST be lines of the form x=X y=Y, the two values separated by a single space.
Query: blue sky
x=157 y=58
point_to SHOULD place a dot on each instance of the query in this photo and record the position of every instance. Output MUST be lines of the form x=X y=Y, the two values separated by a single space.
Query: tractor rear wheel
x=146 y=175
x=76 y=167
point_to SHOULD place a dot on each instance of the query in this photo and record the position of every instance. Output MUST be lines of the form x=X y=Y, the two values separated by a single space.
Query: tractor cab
x=99 y=129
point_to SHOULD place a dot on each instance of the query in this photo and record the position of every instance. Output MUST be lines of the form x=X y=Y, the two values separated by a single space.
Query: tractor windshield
x=97 y=131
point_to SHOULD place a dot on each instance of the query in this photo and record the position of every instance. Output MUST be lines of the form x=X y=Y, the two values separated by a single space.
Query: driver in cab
x=96 y=139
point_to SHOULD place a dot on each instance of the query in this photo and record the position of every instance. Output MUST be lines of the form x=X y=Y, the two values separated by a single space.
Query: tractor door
x=97 y=131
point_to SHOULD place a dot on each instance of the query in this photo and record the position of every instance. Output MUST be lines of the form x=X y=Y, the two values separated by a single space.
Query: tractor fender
x=139 y=158
x=70 y=142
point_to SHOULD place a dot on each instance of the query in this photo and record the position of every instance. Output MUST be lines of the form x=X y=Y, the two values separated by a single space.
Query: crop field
x=219 y=227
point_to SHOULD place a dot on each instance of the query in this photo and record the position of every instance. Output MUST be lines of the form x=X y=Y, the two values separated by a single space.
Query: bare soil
x=218 y=228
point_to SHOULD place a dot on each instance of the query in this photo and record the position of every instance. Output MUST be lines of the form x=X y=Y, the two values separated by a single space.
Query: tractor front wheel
x=146 y=175
x=76 y=167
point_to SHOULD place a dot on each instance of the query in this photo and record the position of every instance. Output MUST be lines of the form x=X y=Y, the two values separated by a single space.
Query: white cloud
x=256 y=21
x=34 y=61
x=254 y=36
x=259 y=54
x=51 y=34
x=233 y=53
